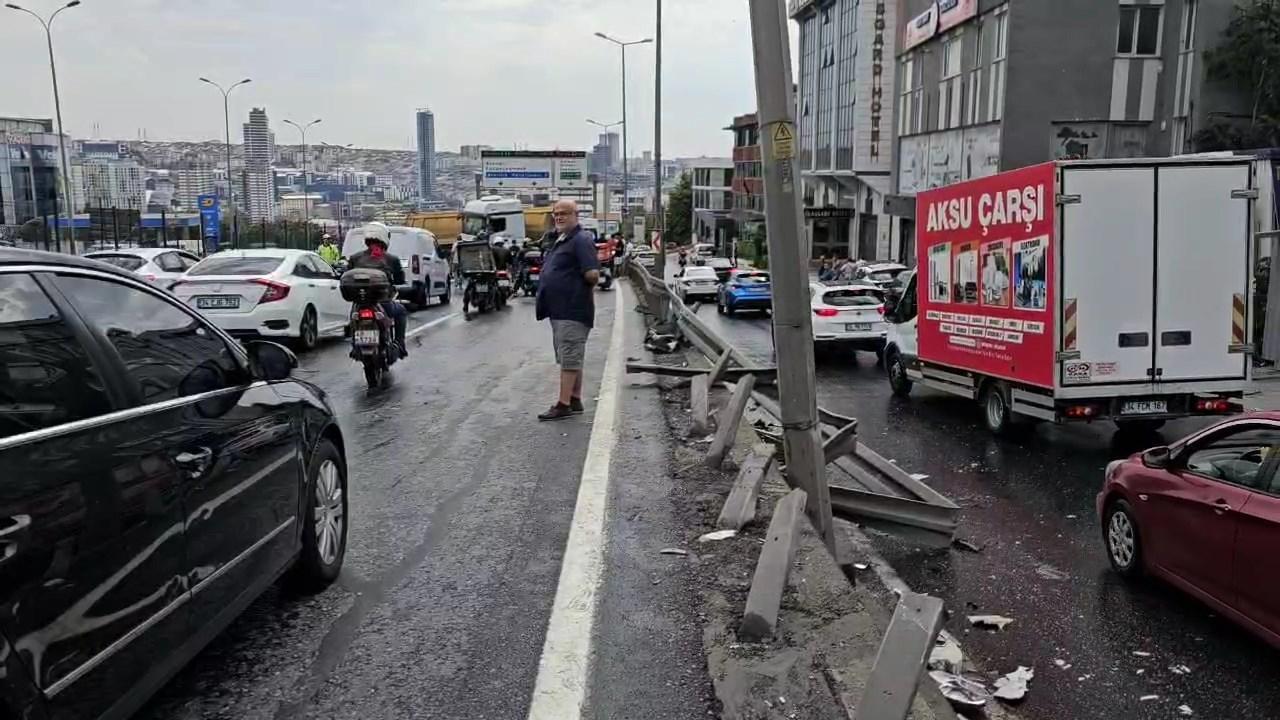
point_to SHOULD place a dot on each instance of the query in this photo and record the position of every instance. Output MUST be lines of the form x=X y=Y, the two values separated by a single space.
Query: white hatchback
x=161 y=267
x=849 y=314
x=272 y=293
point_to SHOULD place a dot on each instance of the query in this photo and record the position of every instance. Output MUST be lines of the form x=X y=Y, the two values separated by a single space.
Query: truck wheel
x=995 y=409
x=898 y=380
x=422 y=298
x=448 y=286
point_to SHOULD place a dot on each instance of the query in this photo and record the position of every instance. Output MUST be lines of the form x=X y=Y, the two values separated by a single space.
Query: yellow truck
x=447 y=225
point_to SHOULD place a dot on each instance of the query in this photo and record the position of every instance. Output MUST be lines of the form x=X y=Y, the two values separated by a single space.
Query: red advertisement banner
x=985 y=253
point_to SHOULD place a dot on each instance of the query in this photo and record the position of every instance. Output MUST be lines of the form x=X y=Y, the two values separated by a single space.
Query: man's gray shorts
x=570 y=340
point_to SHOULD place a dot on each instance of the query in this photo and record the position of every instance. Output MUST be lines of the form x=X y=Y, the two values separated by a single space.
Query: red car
x=1204 y=515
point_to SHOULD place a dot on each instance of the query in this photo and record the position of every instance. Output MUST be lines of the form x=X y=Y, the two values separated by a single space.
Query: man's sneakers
x=575 y=404
x=559 y=411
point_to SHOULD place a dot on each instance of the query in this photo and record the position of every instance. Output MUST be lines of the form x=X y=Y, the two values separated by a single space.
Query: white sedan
x=271 y=293
x=850 y=315
x=161 y=267
x=698 y=282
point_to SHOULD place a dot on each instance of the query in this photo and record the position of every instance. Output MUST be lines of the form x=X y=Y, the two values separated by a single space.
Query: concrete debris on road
x=946 y=654
x=1185 y=710
x=963 y=544
x=1013 y=687
x=961 y=691
x=994 y=622
x=673 y=551
x=717 y=535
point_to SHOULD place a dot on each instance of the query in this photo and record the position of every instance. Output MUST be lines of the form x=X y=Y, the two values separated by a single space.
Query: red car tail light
x=880 y=309
x=275 y=291
x=825 y=312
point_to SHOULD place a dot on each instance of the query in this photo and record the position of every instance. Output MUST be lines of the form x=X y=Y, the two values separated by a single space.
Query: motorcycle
x=505 y=289
x=605 y=253
x=372 y=329
x=530 y=272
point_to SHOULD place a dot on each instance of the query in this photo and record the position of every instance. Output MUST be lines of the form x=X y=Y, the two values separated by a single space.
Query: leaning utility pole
x=659 y=221
x=793 y=326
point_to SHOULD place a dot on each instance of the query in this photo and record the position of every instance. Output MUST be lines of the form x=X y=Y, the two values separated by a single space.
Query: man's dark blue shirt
x=563 y=292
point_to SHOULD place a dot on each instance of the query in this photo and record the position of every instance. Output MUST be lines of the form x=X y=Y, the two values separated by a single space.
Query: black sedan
x=157 y=477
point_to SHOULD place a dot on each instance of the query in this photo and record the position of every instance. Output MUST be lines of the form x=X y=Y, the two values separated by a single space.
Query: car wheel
x=448 y=287
x=729 y=309
x=324 y=526
x=720 y=305
x=1124 y=545
x=899 y=382
x=423 y=297
x=995 y=409
x=308 y=330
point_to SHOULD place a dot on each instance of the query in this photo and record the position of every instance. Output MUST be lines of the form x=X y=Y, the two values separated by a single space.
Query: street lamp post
x=608 y=149
x=306 y=192
x=338 y=151
x=69 y=202
x=231 y=185
x=625 y=179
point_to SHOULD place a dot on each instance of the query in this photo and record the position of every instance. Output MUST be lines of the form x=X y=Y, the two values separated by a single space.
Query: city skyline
x=361 y=95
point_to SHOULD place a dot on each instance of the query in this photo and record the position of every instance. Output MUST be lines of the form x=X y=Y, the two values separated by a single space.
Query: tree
x=679 y=223
x=1247 y=57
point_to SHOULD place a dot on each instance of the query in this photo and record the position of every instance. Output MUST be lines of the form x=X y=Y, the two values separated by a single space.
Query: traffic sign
x=784 y=141
x=210 y=221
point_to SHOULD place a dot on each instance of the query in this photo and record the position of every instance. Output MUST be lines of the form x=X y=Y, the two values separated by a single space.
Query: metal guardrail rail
x=878 y=493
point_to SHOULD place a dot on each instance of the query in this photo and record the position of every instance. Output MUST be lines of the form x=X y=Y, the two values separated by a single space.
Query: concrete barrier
x=728 y=421
x=770 y=581
x=740 y=507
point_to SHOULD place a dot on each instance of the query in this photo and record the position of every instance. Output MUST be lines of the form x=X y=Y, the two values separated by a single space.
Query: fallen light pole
x=793 y=327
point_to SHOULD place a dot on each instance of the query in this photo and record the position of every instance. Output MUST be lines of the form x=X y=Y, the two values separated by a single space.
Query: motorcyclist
x=377 y=238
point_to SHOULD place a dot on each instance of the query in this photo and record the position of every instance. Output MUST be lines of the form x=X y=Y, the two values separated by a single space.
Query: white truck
x=1086 y=290
x=496 y=215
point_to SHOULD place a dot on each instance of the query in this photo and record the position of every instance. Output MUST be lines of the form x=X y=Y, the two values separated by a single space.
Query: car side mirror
x=1157 y=458
x=270 y=361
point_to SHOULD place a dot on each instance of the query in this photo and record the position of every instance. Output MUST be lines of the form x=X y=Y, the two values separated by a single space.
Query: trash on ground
x=1071 y=517
x=673 y=551
x=996 y=622
x=659 y=343
x=1148 y=698
x=1179 y=669
x=1185 y=710
x=1062 y=664
x=1141 y=653
x=1140 y=671
x=963 y=544
x=1082 y=678
x=919 y=476
x=946 y=654
x=860 y=566
x=1013 y=687
x=960 y=690
x=1049 y=572
x=717 y=535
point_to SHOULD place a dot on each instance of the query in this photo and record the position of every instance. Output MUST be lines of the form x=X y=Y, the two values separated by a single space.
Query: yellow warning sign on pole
x=784 y=141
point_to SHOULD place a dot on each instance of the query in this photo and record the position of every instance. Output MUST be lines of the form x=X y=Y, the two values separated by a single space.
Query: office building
x=30 y=181
x=712 y=184
x=190 y=182
x=748 y=175
x=426 y=123
x=845 y=121
x=104 y=183
x=987 y=86
x=258 y=180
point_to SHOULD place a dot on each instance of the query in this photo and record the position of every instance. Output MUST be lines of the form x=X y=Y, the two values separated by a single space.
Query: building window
x=826 y=95
x=908 y=87
x=949 y=85
x=1188 y=25
x=975 y=81
x=808 y=53
x=1139 y=30
x=848 y=87
x=995 y=99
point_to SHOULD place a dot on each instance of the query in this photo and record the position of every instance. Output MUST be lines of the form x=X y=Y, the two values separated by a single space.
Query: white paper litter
x=1179 y=669
x=946 y=654
x=717 y=535
x=1013 y=687
x=919 y=476
x=1185 y=710
x=1140 y=653
x=1148 y=698
x=989 y=621
x=960 y=690
x=1062 y=664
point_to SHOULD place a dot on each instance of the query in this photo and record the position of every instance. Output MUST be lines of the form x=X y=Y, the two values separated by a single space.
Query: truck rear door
x=1202 y=272
x=1108 y=246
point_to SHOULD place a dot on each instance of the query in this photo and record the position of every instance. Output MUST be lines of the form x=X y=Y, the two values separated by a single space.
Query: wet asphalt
x=1029 y=505
x=460 y=505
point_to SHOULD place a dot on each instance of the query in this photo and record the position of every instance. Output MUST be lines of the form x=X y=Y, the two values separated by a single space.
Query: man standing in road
x=328 y=251
x=570 y=271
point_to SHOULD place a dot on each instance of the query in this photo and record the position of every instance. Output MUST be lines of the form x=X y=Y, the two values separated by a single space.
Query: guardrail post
x=902 y=659
x=770 y=581
x=699 y=395
x=729 y=420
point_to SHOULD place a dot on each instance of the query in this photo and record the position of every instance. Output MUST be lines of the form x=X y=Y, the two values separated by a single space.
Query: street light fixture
x=231 y=185
x=68 y=203
x=623 y=45
x=306 y=193
x=609 y=149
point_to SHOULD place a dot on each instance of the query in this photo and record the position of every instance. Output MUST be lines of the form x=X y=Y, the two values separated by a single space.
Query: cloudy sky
x=498 y=72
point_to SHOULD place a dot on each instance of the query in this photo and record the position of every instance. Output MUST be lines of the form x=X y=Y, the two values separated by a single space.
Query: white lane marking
x=564 y=669
x=430 y=325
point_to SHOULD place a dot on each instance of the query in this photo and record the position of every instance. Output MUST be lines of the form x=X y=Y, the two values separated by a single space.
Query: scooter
x=530 y=274
x=373 y=342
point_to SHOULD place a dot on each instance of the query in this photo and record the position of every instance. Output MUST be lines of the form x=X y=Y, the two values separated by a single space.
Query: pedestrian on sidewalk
x=566 y=297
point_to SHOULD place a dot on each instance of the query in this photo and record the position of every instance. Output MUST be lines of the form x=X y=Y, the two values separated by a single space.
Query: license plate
x=366 y=337
x=482 y=288
x=1144 y=407
x=857 y=327
x=218 y=303
x=504 y=283
x=533 y=276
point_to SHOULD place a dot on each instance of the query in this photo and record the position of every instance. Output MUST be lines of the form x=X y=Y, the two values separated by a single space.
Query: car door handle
x=195 y=463
x=1221 y=506
x=14 y=528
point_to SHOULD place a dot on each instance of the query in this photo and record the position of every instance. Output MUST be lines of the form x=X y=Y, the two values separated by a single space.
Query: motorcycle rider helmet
x=376 y=232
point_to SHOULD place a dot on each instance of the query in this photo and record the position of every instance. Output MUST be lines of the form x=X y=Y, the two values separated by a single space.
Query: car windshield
x=124 y=262
x=700 y=274
x=237 y=265
x=752 y=279
x=852 y=297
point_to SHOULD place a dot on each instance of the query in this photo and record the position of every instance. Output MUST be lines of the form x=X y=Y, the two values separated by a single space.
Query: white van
x=426 y=274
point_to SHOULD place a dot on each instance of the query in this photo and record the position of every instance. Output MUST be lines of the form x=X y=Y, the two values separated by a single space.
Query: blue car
x=745 y=290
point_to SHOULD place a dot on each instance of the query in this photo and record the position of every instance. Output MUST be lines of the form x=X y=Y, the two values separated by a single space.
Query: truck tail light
x=1213 y=405
x=825 y=312
x=275 y=291
x=1082 y=411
